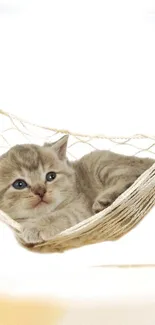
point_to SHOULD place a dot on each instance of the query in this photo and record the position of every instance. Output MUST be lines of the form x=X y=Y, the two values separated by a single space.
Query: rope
x=76 y=134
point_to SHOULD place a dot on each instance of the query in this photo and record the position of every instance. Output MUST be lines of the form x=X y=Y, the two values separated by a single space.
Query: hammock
x=111 y=223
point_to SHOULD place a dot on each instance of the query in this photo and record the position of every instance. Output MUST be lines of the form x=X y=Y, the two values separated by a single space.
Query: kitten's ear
x=59 y=146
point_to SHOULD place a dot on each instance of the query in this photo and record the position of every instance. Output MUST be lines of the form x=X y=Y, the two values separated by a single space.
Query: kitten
x=47 y=194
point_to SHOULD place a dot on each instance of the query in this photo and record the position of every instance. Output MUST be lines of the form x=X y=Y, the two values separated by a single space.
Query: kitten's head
x=35 y=180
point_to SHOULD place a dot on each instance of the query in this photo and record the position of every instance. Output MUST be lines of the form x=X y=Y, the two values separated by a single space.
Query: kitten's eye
x=19 y=184
x=50 y=176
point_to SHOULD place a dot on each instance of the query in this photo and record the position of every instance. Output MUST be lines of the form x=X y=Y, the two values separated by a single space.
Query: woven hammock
x=113 y=222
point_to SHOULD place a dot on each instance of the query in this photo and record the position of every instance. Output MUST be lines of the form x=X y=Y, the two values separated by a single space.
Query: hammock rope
x=113 y=222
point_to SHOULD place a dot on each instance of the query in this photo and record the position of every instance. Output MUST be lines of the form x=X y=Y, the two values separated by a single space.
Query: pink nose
x=40 y=191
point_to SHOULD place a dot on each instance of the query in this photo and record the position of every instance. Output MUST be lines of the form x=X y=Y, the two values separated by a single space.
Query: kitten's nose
x=39 y=190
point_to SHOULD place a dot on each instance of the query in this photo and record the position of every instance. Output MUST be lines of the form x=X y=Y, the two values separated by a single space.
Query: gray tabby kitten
x=47 y=194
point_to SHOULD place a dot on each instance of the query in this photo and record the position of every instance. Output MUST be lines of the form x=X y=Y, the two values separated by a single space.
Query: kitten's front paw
x=36 y=236
x=31 y=236
x=100 y=204
x=48 y=233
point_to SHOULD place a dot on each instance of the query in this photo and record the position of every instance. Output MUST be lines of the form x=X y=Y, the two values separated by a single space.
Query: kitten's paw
x=36 y=236
x=100 y=204
x=48 y=233
x=31 y=236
